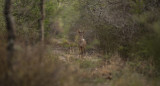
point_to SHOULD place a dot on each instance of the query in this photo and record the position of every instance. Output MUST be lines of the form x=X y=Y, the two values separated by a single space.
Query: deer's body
x=82 y=42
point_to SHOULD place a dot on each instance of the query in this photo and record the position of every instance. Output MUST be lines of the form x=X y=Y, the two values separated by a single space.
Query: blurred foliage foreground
x=44 y=66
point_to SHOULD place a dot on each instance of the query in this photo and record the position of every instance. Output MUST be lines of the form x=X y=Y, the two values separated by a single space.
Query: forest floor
x=101 y=69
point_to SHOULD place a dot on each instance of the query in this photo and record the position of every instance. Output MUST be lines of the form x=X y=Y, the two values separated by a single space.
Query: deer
x=81 y=42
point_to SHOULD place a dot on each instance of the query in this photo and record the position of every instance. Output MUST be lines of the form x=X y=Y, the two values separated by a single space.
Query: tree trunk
x=10 y=29
x=41 y=20
x=11 y=39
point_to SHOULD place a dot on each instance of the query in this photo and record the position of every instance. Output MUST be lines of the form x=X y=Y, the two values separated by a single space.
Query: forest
x=79 y=42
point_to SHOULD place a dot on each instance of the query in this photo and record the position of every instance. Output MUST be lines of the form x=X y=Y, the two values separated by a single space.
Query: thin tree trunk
x=11 y=39
x=41 y=21
x=41 y=25
x=10 y=29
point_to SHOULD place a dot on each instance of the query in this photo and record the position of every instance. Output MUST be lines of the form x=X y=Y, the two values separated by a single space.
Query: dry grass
x=34 y=65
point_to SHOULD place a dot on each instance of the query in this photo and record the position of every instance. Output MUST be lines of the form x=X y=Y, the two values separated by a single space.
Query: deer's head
x=81 y=33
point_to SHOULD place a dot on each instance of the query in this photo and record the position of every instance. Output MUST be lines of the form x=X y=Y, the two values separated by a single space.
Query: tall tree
x=10 y=28
x=41 y=20
x=11 y=38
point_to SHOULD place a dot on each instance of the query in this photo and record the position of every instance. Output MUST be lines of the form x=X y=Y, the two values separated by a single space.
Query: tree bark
x=11 y=38
x=10 y=29
x=41 y=20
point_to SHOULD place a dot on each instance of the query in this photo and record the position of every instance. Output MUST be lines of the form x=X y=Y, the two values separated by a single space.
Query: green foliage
x=130 y=79
x=69 y=15
x=94 y=44
x=52 y=9
x=148 y=45
x=89 y=64
x=107 y=35
x=2 y=22
x=137 y=6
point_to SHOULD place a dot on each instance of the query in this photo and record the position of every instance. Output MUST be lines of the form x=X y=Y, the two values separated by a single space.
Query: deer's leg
x=84 y=50
x=81 y=50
